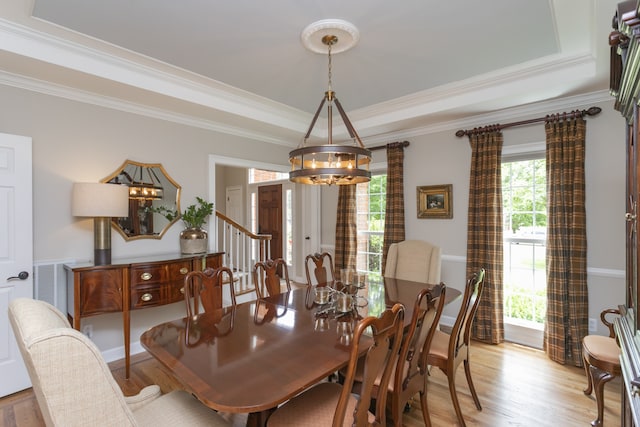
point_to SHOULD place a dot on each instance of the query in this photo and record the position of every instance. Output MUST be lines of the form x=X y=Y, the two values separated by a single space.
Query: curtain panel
x=484 y=232
x=566 y=256
x=346 y=228
x=394 y=211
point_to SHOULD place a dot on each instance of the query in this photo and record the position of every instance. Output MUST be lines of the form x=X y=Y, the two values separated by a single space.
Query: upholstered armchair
x=74 y=386
x=414 y=260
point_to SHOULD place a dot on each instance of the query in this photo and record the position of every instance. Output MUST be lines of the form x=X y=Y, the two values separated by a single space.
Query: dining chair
x=266 y=279
x=319 y=269
x=205 y=289
x=329 y=403
x=415 y=260
x=601 y=356
x=448 y=350
x=412 y=369
x=74 y=386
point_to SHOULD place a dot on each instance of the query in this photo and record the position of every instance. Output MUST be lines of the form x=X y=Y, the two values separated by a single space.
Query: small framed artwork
x=434 y=201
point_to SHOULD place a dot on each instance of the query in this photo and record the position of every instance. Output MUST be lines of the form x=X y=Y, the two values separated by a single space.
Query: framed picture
x=434 y=201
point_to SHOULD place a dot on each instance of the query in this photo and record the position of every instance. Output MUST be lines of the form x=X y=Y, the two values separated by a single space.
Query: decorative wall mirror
x=149 y=186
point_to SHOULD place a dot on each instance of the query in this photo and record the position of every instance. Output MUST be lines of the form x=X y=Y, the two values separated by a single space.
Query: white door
x=16 y=252
x=234 y=205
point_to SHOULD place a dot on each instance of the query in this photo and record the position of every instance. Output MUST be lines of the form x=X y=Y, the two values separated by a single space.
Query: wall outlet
x=88 y=330
x=593 y=326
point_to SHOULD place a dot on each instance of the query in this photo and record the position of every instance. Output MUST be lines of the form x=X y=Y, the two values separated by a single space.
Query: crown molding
x=147 y=74
x=114 y=64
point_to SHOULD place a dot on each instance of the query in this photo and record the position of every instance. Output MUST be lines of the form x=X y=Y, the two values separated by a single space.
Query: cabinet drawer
x=177 y=273
x=148 y=296
x=150 y=273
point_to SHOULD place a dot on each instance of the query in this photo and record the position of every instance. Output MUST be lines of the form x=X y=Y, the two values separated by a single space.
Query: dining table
x=251 y=357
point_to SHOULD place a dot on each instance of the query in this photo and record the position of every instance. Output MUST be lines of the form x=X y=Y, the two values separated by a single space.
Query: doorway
x=270 y=216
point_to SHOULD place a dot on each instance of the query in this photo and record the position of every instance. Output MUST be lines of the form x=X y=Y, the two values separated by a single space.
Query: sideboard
x=130 y=284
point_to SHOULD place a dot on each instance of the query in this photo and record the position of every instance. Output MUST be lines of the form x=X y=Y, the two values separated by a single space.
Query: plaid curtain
x=346 y=228
x=484 y=232
x=394 y=211
x=566 y=257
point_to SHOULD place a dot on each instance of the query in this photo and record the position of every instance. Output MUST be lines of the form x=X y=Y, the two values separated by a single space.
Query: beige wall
x=79 y=142
x=443 y=158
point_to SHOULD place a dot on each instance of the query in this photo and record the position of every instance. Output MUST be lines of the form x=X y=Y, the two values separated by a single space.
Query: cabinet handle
x=184 y=270
x=182 y=290
x=146 y=297
x=146 y=276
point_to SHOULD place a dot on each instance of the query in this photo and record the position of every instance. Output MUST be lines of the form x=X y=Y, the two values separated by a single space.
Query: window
x=524 y=195
x=371 y=204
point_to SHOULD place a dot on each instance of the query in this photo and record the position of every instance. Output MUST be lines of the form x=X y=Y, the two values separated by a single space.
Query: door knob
x=23 y=275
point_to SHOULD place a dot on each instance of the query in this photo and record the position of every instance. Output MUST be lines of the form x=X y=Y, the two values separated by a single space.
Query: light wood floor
x=517 y=386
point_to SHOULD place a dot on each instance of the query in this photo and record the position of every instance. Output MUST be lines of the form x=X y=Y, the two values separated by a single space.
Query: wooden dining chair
x=329 y=403
x=601 y=356
x=448 y=350
x=319 y=269
x=411 y=372
x=412 y=369
x=266 y=279
x=205 y=289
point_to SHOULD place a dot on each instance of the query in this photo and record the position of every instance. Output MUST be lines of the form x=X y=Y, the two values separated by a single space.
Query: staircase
x=242 y=249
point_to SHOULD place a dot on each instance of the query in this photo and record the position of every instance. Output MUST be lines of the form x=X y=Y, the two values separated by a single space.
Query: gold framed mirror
x=149 y=186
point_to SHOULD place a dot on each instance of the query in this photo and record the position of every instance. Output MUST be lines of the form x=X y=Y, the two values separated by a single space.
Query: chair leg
x=599 y=378
x=589 y=388
x=451 y=377
x=425 y=409
x=467 y=372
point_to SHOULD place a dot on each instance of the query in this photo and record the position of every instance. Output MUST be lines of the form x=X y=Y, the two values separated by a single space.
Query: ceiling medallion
x=330 y=164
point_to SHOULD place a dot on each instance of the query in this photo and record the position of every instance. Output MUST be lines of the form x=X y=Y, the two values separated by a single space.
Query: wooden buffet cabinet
x=130 y=284
x=625 y=86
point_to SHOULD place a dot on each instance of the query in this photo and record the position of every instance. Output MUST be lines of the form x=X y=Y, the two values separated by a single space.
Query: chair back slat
x=461 y=331
x=205 y=289
x=266 y=278
x=319 y=269
x=379 y=363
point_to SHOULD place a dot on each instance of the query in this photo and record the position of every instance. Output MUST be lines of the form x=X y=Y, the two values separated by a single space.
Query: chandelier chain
x=330 y=89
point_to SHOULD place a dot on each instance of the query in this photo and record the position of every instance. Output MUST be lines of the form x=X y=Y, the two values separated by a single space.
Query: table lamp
x=102 y=202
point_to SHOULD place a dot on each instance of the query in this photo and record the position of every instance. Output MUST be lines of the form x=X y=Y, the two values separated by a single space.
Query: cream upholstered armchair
x=414 y=260
x=74 y=386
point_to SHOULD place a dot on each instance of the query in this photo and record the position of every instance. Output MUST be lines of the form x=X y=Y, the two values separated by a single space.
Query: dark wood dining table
x=252 y=357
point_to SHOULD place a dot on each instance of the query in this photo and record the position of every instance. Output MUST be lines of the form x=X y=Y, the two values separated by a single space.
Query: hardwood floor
x=517 y=386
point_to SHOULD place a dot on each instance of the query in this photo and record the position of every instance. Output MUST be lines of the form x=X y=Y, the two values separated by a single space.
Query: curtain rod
x=402 y=144
x=579 y=113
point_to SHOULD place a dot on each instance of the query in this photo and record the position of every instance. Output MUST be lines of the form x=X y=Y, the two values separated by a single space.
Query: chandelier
x=330 y=164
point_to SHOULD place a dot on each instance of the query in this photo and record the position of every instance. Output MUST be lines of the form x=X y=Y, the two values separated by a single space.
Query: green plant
x=194 y=216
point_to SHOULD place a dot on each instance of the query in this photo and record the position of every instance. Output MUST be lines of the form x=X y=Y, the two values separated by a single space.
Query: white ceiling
x=240 y=67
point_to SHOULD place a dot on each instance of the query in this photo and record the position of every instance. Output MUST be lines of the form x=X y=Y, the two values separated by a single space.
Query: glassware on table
x=347 y=276
x=344 y=302
x=361 y=280
x=322 y=295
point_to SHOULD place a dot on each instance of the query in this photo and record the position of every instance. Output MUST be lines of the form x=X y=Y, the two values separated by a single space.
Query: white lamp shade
x=96 y=199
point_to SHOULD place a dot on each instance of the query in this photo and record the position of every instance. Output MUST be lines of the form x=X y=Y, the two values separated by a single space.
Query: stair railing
x=242 y=249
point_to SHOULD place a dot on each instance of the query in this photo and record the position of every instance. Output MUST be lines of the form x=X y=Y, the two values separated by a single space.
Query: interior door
x=16 y=252
x=270 y=216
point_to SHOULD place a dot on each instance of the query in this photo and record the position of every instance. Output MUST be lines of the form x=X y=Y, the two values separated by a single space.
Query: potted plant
x=193 y=239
